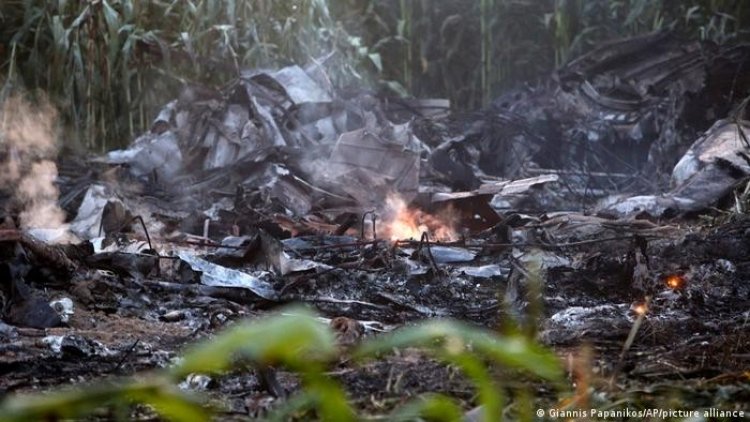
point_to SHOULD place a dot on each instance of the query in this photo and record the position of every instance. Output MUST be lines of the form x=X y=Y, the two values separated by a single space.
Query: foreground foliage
x=297 y=341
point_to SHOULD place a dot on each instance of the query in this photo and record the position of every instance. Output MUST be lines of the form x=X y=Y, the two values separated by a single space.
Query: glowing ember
x=401 y=222
x=675 y=281
x=640 y=308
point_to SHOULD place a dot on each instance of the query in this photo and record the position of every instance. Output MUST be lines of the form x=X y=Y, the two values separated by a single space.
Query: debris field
x=616 y=191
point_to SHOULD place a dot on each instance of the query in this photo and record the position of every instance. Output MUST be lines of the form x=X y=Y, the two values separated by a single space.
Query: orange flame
x=402 y=222
x=640 y=308
x=675 y=281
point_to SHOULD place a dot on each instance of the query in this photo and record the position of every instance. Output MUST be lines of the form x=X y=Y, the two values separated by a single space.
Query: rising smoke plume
x=28 y=149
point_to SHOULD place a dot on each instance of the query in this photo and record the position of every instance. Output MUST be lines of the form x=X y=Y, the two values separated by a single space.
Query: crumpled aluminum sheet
x=219 y=276
x=713 y=165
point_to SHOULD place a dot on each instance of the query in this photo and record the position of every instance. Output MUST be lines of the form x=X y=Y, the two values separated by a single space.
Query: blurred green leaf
x=490 y=394
x=172 y=404
x=453 y=338
x=72 y=404
x=293 y=407
x=279 y=339
x=431 y=407
x=329 y=398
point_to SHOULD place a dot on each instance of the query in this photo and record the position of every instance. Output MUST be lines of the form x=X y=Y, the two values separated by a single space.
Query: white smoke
x=28 y=147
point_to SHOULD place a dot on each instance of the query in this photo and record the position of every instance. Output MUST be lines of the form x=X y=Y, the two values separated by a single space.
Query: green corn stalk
x=405 y=31
x=102 y=62
x=90 y=56
x=486 y=7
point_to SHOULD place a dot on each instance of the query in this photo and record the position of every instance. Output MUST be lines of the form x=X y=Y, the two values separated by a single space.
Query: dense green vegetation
x=108 y=64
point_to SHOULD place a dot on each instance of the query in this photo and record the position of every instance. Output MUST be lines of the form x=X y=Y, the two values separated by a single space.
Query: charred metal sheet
x=219 y=276
x=708 y=171
x=390 y=159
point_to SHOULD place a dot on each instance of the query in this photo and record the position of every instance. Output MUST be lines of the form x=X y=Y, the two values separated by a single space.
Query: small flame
x=675 y=281
x=640 y=308
x=402 y=222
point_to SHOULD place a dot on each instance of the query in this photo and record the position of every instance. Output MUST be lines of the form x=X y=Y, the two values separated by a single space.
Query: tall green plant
x=486 y=9
x=109 y=64
x=471 y=51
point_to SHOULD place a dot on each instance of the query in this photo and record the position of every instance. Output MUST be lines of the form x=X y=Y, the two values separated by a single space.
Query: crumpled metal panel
x=364 y=150
x=219 y=276
x=299 y=86
x=160 y=155
x=722 y=142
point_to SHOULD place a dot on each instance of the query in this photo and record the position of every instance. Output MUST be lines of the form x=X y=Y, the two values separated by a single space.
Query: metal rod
x=424 y=241
x=145 y=230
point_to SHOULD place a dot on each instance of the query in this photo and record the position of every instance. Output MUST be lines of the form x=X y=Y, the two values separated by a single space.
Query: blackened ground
x=692 y=346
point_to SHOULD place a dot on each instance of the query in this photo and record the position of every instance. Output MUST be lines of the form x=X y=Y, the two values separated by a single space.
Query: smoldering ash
x=28 y=145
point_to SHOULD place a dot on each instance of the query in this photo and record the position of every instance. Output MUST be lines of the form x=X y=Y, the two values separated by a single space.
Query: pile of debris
x=606 y=128
x=614 y=122
x=277 y=188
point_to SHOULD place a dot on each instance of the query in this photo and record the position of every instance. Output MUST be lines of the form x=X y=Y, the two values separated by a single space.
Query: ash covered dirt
x=692 y=343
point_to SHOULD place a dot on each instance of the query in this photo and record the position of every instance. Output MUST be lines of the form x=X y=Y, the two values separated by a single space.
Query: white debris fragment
x=63 y=307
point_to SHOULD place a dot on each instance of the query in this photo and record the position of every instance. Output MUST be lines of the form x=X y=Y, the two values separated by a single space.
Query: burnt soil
x=691 y=348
